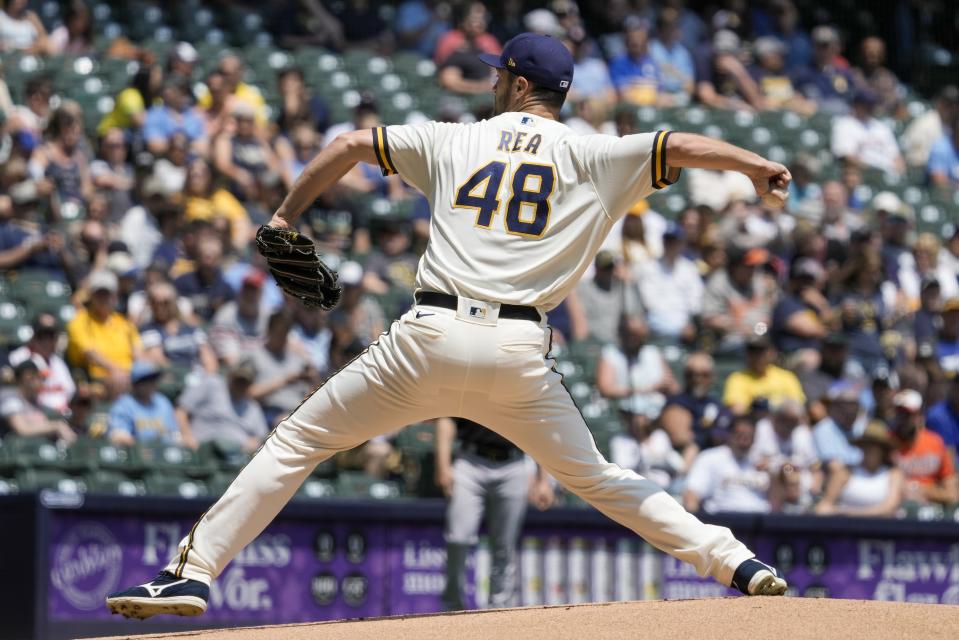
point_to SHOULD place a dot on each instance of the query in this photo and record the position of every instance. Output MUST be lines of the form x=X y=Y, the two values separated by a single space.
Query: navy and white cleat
x=755 y=578
x=165 y=594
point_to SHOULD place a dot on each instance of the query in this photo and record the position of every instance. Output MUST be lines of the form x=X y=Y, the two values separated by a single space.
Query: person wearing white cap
x=923 y=457
x=100 y=340
x=183 y=59
x=357 y=313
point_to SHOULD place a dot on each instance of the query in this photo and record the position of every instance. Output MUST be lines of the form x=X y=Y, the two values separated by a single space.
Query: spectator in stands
x=947 y=347
x=64 y=160
x=771 y=76
x=418 y=26
x=75 y=36
x=760 y=379
x=205 y=200
x=925 y=323
x=943 y=417
x=145 y=414
x=788 y=29
x=231 y=66
x=943 y=164
x=635 y=74
x=605 y=298
x=784 y=446
x=872 y=75
x=131 y=104
x=356 y=309
x=221 y=410
x=217 y=116
x=722 y=81
x=805 y=192
x=21 y=30
x=695 y=413
x=205 y=286
x=672 y=289
x=824 y=81
x=295 y=151
x=863 y=138
x=635 y=371
x=591 y=72
x=170 y=341
x=57 y=385
x=113 y=175
x=925 y=266
x=834 y=433
x=239 y=326
x=737 y=299
x=169 y=172
x=673 y=59
x=867 y=307
x=312 y=335
x=175 y=114
x=924 y=130
x=31 y=118
x=460 y=70
x=297 y=106
x=391 y=265
x=472 y=20
x=801 y=317
x=725 y=479
x=20 y=409
x=928 y=466
x=243 y=156
x=283 y=376
x=102 y=342
x=182 y=59
x=838 y=223
x=834 y=365
x=648 y=450
x=872 y=488
x=25 y=244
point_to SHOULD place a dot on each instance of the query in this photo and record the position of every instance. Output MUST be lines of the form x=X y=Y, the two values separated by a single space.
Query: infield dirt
x=719 y=618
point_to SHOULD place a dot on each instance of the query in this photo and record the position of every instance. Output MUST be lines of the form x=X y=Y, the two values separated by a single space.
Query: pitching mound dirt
x=734 y=618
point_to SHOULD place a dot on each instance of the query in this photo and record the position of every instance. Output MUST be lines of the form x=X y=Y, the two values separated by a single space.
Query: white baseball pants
x=438 y=362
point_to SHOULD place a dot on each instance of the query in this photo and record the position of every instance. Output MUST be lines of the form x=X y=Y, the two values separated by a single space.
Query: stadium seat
x=34 y=452
x=101 y=454
x=38 y=479
x=167 y=483
x=357 y=484
x=113 y=483
x=315 y=489
x=173 y=459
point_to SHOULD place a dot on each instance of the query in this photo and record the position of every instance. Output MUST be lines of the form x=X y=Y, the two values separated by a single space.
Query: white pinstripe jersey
x=520 y=204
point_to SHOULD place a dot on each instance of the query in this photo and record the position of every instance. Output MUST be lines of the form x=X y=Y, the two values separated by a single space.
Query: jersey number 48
x=528 y=208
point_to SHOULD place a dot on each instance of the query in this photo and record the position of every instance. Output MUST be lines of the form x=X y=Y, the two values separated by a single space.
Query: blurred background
x=783 y=372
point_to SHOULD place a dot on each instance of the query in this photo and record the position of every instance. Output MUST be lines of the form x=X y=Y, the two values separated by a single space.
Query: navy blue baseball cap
x=543 y=59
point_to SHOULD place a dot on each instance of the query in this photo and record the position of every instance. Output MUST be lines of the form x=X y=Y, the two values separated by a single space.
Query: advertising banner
x=303 y=569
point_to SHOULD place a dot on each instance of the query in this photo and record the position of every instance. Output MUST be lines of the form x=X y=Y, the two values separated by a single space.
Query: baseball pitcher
x=520 y=207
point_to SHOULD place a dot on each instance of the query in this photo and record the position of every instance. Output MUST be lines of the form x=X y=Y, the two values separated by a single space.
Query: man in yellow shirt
x=232 y=69
x=760 y=379
x=100 y=340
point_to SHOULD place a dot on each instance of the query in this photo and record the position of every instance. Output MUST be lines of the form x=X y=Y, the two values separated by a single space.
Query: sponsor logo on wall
x=86 y=565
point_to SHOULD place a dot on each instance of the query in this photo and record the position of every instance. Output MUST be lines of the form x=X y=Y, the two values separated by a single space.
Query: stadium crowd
x=803 y=361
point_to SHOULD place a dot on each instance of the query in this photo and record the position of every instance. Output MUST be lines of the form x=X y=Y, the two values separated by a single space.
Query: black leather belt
x=495 y=454
x=446 y=301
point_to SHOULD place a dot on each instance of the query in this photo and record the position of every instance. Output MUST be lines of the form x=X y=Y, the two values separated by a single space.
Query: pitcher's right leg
x=553 y=432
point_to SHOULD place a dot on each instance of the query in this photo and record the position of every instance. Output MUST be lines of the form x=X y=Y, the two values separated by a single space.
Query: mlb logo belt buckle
x=477 y=311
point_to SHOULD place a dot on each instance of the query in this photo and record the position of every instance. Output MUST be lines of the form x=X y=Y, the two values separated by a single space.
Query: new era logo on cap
x=543 y=59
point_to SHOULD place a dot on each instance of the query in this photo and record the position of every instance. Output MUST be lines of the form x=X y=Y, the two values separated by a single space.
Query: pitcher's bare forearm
x=699 y=152
x=324 y=171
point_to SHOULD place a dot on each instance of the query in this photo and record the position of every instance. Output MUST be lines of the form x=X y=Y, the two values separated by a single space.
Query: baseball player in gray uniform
x=490 y=476
x=520 y=205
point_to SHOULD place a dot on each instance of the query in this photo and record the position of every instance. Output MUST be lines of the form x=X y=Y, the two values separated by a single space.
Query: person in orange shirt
x=929 y=470
x=100 y=340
